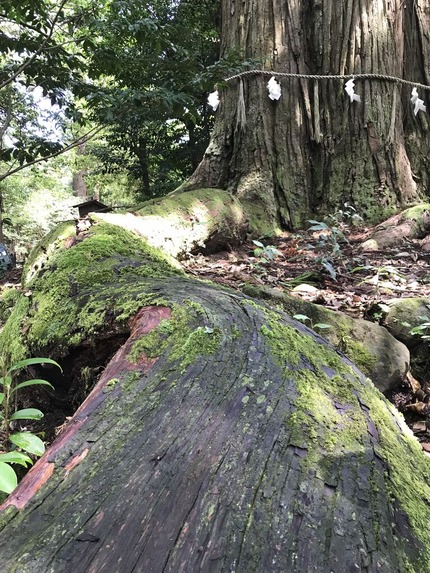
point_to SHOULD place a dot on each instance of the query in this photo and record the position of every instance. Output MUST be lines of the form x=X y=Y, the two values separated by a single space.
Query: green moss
x=179 y=334
x=184 y=202
x=341 y=334
x=409 y=483
x=404 y=314
x=112 y=382
x=259 y=223
x=107 y=268
x=154 y=343
x=374 y=214
x=306 y=361
x=292 y=347
x=131 y=301
x=416 y=213
x=214 y=209
x=357 y=352
x=236 y=333
x=12 y=344
x=325 y=432
x=52 y=242
x=283 y=343
x=320 y=377
x=201 y=341
x=8 y=298
x=195 y=306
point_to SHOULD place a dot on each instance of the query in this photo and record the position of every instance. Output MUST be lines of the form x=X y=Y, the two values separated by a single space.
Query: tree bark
x=222 y=436
x=313 y=150
x=140 y=150
x=78 y=183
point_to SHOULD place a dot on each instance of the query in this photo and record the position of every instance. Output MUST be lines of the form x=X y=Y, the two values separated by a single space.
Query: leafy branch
x=40 y=49
x=83 y=139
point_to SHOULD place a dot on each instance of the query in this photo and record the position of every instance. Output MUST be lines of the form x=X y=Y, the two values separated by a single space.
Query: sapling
x=15 y=447
x=303 y=318
x=265 y=253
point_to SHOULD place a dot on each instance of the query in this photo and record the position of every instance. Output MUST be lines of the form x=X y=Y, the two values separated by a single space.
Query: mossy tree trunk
x=222 y=436
x=313 y=150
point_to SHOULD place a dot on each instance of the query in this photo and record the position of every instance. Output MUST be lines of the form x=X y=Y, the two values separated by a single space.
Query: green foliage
x=36 y=200
x=22 y=443
x=319 y=325
x=42 y=196
x=265 y=253
x=150 y=159
x=331 y=236
x=40 y=58
x=152 y=66
x=329 y=239
x=423 y=329
x=346 y=216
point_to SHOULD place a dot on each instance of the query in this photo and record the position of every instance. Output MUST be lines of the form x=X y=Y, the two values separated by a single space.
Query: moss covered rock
x=371 y=347
x=400 y=317
x=204 y=220
x=413 y=223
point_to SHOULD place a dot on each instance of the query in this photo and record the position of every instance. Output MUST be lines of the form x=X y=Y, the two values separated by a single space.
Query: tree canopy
x=140 y=70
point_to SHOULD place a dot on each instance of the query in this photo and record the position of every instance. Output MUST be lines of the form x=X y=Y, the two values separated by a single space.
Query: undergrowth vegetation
x=18 y=445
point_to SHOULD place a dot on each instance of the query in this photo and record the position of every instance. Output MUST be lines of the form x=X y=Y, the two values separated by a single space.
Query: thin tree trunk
x=141 y=152
x=79 y=186
x=313 y=149
x=3 y=130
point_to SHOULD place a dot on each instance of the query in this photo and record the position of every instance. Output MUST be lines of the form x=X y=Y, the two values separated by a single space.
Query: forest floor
x=314 y=267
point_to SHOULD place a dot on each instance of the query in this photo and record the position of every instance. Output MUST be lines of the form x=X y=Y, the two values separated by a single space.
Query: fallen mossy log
x=222 y=436
x=204 y=220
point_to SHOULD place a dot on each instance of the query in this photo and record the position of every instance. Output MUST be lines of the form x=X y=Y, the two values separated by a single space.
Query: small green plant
x=330 y=235
x=265 y=253
x=303 y=318
x=379 y=275
x=346 y=216
x=329 y=238
x=15 y=446
x=423 y=329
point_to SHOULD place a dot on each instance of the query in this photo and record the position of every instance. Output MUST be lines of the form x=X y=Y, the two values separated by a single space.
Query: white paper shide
x=274 y=88
x=417 y=102
x=213 y=100
x=349 y=88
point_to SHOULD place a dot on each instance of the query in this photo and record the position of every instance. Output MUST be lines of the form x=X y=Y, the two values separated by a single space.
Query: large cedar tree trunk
x=221 y=437
x=313 y=150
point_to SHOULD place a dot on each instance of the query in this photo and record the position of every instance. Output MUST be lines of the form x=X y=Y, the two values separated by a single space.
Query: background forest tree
x=133 y=69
